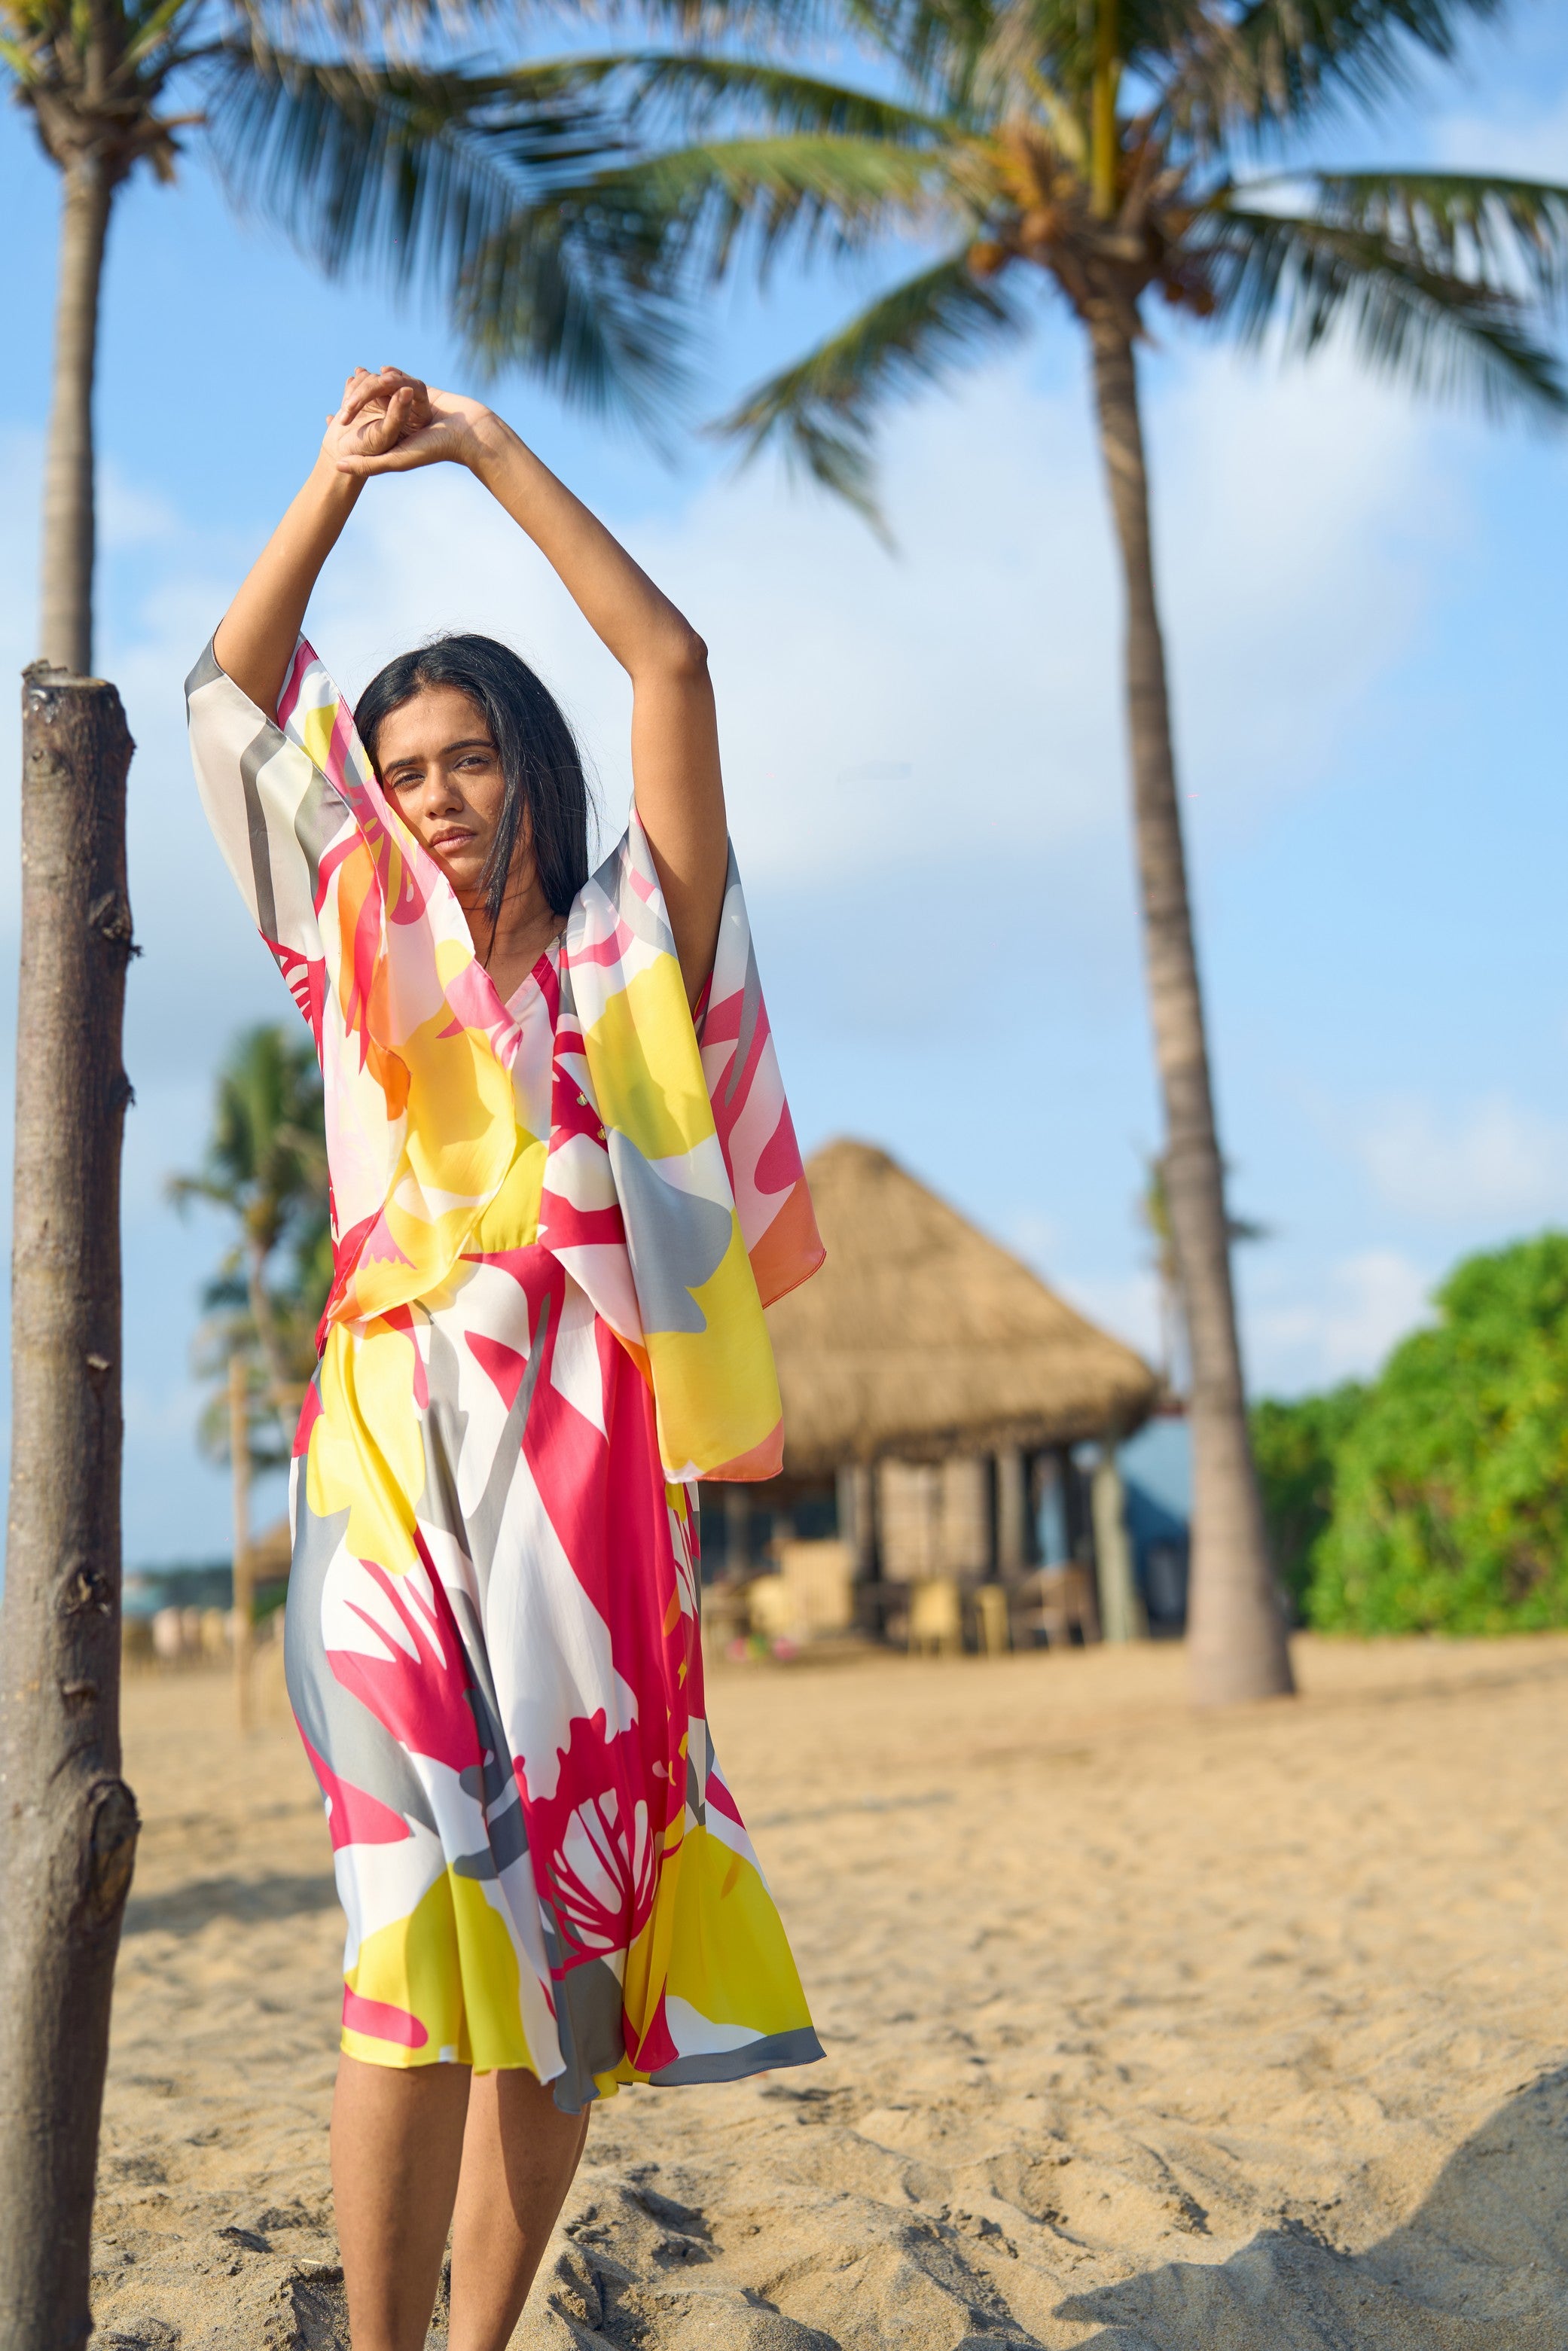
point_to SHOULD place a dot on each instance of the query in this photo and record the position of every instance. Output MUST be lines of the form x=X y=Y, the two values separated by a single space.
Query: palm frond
x=1272 y=63
x=151 y=28
x=1299 y=279
x=593 y=284
x=408 y=169
x=683 y=92
x=661 y=230
x=1508 y=235
x=576 y=291
x=824 y=410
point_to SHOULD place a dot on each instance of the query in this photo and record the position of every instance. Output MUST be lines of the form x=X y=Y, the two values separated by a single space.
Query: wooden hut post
x=855 y=1482
x=1012 y=1511
x=737 y=1529
x=1121 y=1610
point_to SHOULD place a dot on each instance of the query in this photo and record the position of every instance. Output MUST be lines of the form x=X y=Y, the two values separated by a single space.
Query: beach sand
x=1236 y=2033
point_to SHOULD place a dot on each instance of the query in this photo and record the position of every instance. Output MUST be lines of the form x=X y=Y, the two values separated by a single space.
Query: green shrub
x=1295 y=1445
x=1451 y=1483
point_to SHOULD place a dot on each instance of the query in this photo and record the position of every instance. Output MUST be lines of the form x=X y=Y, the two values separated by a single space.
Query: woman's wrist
x=491 y=441
x=329 y=483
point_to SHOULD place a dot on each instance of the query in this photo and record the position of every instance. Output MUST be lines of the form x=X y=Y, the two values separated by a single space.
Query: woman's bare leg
x=519 y=2153
x=397 y=2148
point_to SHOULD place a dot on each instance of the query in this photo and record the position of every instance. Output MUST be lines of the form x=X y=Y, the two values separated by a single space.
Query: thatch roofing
x=920 y=1337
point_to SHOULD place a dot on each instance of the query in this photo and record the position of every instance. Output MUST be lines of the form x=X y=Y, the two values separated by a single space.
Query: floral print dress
x=556 y=1222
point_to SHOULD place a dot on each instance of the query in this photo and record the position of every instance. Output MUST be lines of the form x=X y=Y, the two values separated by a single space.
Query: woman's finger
x=399 y=415
x=357 y=376
x=421 y=449
x=363 y=388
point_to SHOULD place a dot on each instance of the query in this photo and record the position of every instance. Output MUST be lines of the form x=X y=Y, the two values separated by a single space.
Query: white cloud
x=1343 y=1330
x=129 y=514
x=1492 y=1159
x=878 y=709
x=1532 y=142
x=1125 y=1304
x=1298 y=508
x=1035 y=1237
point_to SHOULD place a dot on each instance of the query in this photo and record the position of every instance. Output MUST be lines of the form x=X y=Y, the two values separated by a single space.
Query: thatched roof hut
x=921 y=1339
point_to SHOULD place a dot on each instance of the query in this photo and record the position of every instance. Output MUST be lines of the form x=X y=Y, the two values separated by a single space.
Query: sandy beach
x=1143 y=2031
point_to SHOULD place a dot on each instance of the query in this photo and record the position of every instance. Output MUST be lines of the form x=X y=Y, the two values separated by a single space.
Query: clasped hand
x=391 y=422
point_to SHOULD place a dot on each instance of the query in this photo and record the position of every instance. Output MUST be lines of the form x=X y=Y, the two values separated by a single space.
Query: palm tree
x=1154 y=1212
x=367 y=156
x=265 y=1164
x=1082 y=149
x=407 y=163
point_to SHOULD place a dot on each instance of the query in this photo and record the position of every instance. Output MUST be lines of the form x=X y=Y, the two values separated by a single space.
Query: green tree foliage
x=1296 y=1447
x=265 y=1164
x=1450 y=1482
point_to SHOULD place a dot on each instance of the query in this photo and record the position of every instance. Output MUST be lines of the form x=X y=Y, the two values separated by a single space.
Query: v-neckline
x=532 y=977
x=505 y=1006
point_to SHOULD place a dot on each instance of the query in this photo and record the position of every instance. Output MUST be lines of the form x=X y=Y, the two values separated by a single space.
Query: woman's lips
x=450 y=840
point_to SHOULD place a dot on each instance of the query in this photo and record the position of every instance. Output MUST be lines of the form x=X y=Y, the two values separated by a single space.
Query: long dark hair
x=546 y=787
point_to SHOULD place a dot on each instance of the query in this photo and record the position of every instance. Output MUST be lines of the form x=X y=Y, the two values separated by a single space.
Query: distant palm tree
x=265 y=1164
x=1082 y=149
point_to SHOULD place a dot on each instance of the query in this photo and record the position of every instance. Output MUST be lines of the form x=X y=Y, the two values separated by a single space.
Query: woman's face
x=439 y=770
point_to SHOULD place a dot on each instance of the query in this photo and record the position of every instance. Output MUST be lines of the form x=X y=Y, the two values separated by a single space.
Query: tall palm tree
x=408 y=162
x=372 y=155
x=1085 y=150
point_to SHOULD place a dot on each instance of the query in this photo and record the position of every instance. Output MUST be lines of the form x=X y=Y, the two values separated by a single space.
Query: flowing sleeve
x=751 y=1116
x=674 y=1189
x=278 y=816
x=413 y=1043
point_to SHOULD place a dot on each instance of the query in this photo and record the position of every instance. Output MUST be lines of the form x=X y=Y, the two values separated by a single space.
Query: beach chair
x=935 y=1616
x=993 y=1633
x=1053 y=1604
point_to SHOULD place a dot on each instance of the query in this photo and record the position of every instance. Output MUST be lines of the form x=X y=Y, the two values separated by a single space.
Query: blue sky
x=923 y=752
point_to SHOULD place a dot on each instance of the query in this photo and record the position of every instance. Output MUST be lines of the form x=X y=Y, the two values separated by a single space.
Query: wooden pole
x=1012 y=1511
x=1122 y=1614
x=68 y=1821
x=244 y=1580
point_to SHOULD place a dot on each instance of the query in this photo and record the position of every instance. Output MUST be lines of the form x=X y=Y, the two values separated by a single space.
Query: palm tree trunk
x=68 y=1821
x=1236 y=1631
x=66 y=618
x=244 y=1594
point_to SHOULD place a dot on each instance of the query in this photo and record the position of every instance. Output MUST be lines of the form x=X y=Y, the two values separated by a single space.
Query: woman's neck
x=510 y=945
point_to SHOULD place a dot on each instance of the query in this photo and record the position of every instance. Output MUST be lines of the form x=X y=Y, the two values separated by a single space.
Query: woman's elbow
x=681 y=657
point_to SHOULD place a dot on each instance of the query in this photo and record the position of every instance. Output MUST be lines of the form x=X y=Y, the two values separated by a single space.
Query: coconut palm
x=1086 y=151
x=366 y=153
x=265 y=1164
x=406 y=161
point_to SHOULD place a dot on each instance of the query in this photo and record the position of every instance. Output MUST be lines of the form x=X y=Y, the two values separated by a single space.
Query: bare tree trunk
x=244 y=1581
x=68 y=1821
x=66 y=619
x=1236 y=1629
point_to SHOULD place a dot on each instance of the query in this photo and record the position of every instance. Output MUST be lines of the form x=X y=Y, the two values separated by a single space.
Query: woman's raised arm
x=256 y=635
x=674 y=729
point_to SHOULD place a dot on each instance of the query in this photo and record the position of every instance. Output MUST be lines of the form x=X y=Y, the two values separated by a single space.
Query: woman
x=564 y=1185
